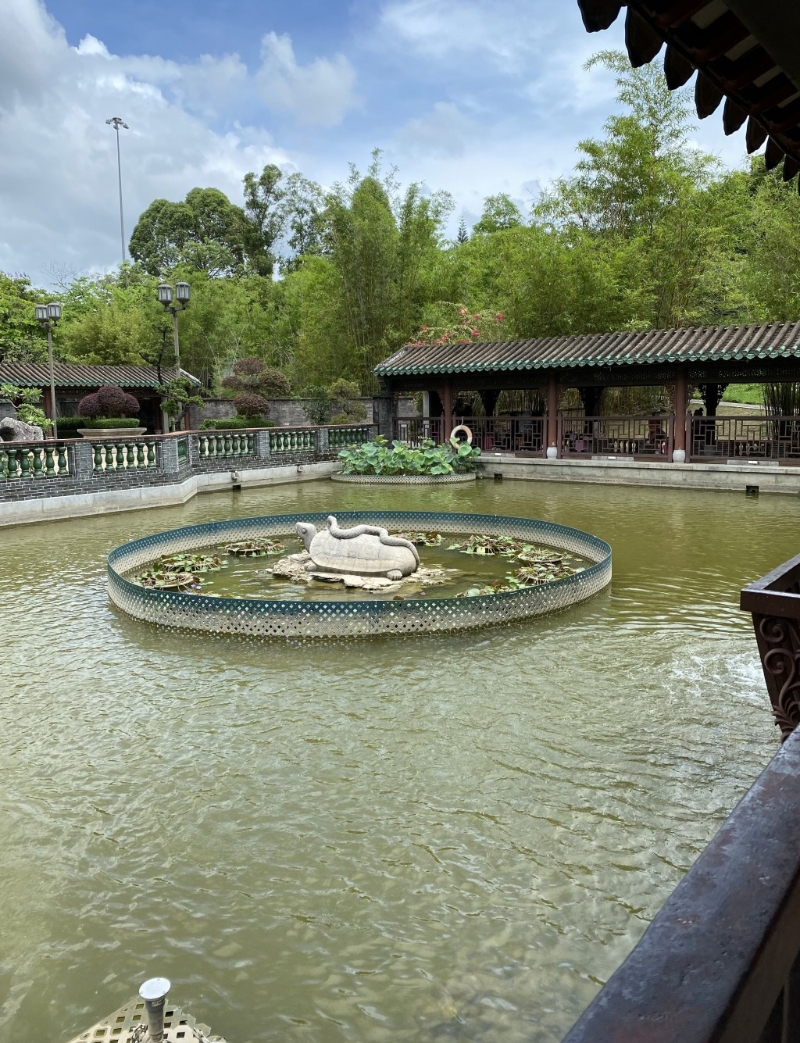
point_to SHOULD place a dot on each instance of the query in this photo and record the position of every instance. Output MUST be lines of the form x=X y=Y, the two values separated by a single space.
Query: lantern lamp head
x=41 y=312
x=54 y=311
x=183 y=292
x=165 y=293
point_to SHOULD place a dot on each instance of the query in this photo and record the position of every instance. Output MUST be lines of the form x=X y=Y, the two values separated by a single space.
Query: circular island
x=378 y=604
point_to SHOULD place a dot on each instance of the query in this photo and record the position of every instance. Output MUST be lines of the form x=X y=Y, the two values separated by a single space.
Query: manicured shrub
x=254 y=376
x=251 y=404
x=108 y=402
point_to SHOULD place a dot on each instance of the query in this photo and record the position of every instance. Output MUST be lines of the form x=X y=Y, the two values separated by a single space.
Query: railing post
x=81 y=459
x=323 y=440
x=169 y=455
x=261 y=444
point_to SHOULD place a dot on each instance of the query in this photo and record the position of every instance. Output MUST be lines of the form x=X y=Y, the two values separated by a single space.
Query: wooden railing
x=720 y=963
x=648 y=436
x=745 y=438
x=501 y=434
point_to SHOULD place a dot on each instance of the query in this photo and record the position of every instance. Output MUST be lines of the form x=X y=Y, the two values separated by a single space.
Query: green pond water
x=459 y=573
x=444 y=837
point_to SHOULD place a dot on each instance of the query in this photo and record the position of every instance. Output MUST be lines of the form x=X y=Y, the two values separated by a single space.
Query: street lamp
x=182 y=295
x=47 y=315
x=116 y=122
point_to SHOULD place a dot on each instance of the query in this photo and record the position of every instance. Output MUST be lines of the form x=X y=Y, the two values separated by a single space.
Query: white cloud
x=318 y=95
x=58 y=195
x=444 y=131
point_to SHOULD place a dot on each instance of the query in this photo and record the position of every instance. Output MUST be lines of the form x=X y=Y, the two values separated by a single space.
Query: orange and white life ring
x=458 y=430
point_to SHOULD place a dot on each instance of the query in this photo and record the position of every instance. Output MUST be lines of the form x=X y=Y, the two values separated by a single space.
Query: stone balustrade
x=35 y=460
x=87 y=464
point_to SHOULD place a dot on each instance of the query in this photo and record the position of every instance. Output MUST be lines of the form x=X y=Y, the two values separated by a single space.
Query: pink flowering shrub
x=455 y=324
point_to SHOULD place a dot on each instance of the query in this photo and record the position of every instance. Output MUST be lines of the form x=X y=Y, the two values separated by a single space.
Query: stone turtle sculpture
x=365 y=550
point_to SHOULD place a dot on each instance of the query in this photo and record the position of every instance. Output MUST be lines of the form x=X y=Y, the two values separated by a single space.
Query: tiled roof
x=705 y=344
x=75 y=375
x=744 y=51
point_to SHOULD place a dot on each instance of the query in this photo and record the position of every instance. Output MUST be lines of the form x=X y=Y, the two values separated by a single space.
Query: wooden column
x=447 y=402
x=552 y=412
x=681 y=405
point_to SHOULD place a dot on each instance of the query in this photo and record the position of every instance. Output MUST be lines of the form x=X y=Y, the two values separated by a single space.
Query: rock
x=13 y=430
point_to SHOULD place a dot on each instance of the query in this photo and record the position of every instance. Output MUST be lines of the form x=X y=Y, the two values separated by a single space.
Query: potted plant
x=107 y=411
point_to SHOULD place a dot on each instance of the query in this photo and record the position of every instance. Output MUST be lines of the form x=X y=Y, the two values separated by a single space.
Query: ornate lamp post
x=182 y=295
x=48 y=315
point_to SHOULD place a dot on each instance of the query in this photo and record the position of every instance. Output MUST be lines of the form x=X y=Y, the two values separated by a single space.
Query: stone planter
x=110 y=432
x=403 y=479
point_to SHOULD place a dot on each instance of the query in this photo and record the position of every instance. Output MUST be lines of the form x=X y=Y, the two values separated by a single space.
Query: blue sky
x=471 y=96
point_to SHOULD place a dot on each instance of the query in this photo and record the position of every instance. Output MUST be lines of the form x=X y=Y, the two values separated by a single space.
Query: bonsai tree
x=254 y=377
x=176 y=397
x=345 y=407
x=25 y=402
x=108 y=403
x=335 y=404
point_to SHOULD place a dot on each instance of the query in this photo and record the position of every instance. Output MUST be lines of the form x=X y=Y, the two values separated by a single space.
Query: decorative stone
x=365 y=550
x=13 y=430
x=679 y=456
x=301 y=569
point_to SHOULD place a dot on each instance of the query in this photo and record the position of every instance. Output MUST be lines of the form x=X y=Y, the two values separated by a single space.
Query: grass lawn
x=750 y=393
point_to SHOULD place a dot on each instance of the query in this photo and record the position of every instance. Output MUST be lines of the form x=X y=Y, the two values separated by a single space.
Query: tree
x=21 y=337
x=25 y=401
x=462 y=235
x=206 y=232
x=499 y=212
x=251 y=377
x=644 y=166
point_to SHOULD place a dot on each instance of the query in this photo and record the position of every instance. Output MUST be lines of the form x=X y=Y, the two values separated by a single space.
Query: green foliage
x=236 y=423
x=378 y=457
x=253 y=377
x=96 y=422
x=25 y=402
x=206 y=232
x=22 y=339
x=176 y=397
x=752 y=394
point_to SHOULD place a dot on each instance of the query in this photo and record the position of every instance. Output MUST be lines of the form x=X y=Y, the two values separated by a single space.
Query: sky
x=472 y=96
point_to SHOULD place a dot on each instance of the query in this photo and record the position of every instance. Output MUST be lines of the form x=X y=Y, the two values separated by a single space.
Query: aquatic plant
x=506 y=545
x=379 y=457
x=422 y=539
x=254 y=548
x=179 y=571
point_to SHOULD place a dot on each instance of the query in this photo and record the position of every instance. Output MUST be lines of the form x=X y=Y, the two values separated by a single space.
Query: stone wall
x=283 y=412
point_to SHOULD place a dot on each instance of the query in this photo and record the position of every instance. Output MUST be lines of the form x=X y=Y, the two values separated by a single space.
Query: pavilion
x=74 y=380
x=707 y=358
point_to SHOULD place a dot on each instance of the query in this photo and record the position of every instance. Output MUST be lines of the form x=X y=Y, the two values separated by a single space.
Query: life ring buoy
x=458 y=430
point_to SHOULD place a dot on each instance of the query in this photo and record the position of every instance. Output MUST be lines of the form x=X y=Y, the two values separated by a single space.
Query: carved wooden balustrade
x=774 y=601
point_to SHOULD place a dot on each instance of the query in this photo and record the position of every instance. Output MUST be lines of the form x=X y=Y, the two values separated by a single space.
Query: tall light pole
x=183 y=293
x=48 y=315
x=116 y=122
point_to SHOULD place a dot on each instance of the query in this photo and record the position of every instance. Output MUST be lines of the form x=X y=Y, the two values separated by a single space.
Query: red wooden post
x=552 y=412
x=681 y=404
x=447 y=402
